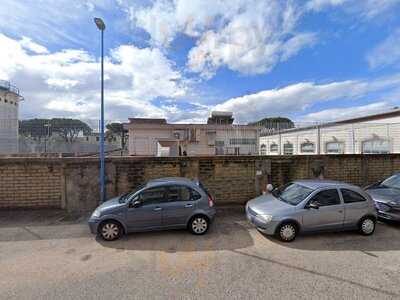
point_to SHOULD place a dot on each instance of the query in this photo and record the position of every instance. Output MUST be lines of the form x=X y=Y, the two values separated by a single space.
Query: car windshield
x=392 y=182
x=126 y=196
x=292 y=193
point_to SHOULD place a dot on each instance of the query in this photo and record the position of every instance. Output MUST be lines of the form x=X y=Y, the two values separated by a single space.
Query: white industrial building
x=372 y=134
x=10 y=99
x=156 y=137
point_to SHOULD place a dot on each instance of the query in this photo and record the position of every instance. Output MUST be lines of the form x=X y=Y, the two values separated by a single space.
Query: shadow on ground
x=228 y=232
x=385 y=238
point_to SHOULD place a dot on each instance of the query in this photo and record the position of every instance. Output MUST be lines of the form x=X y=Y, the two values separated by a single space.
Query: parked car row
x=297 y=207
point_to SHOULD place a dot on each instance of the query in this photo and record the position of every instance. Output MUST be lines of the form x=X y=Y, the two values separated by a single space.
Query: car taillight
x=210 y=201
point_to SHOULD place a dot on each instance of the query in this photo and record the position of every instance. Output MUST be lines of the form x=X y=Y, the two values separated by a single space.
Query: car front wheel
x=287 y=232
x=367 y=226
x=110 y=230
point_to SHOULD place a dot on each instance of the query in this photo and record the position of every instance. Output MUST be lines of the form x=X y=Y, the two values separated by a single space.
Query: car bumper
x=211 y=213
x=387 y=212
x=93 y=225
x=394 y=216
x=266 y=228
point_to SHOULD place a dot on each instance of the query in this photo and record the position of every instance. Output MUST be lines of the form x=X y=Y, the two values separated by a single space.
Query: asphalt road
x=59 y=259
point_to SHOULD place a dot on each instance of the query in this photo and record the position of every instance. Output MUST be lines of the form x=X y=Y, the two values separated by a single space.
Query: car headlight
x=265 y=218
x=96 y=213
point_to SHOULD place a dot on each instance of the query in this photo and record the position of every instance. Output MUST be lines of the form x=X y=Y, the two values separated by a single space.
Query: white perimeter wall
x=351 y=135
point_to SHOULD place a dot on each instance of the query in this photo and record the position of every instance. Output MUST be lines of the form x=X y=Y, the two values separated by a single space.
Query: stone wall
x=72 y=183
x=30 y=184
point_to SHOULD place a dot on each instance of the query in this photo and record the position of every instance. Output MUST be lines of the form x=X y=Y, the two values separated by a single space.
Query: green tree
x=68 y=129
x=117 y=130
x=36 y=128
x=274 y=123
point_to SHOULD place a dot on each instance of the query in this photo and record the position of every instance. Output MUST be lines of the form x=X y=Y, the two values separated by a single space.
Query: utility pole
x=101 y=26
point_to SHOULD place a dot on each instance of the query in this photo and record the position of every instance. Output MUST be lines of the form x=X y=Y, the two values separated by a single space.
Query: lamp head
x=100 y=23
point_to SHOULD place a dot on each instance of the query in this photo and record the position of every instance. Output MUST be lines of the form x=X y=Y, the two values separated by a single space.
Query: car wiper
x=123 y=197
x=275 y=193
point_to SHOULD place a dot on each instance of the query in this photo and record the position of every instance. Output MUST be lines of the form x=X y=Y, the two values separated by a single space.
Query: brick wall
x=72 y=183
x=30 y=185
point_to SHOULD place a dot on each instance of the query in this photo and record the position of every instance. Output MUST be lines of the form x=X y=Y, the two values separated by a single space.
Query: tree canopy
x=274 y=123
x=117 y=129
x=68 y=129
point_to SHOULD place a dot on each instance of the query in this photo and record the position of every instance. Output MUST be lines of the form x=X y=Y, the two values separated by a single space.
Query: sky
x=309 y=60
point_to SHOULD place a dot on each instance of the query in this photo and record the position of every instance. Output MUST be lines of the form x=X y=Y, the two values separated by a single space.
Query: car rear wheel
x=367 y=226
x=110 y=230
x=287 y=232
x=198 y=225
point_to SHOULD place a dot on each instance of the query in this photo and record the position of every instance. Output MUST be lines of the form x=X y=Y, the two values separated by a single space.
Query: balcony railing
x=6 y=85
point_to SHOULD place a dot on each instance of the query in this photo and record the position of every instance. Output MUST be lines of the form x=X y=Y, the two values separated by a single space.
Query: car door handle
x=340 y=211
x=189 y=205
x=157 y=209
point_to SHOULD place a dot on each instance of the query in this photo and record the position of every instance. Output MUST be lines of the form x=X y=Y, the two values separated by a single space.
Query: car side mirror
x=270 y=187
x=135 y=204
x=313 y=205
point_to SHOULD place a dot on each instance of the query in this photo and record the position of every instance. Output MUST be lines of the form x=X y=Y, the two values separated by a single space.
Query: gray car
x=312 y=205
x=386 y=195
x=165 y=203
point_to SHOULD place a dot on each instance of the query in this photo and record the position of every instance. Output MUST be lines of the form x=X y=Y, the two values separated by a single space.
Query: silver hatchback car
x=165 y=203
x=312 y=205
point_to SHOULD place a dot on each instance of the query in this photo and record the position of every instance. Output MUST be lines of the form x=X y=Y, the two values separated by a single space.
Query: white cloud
x=335 y=114
x=319 y=5
x=386 y=53
x=27 y=43
x=297 y=98
x=247 y=36
x=67 y=83
x=366 y=8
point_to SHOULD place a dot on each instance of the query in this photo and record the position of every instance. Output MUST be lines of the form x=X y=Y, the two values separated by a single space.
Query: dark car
x=165 y=203
x=386 y=195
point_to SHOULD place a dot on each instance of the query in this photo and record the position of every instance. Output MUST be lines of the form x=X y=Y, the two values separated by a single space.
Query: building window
x=263 y=149
x=288 y=149
x=334 y=147
x=376 y=146
x=307 y=147
x=219 y=143
x=237 y=151
x=242 y=141
x=273 y=148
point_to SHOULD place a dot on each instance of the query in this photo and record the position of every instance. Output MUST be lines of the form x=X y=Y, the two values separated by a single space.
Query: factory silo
x=9 y=103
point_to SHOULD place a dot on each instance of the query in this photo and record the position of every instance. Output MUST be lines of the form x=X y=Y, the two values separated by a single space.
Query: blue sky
x=310 y=60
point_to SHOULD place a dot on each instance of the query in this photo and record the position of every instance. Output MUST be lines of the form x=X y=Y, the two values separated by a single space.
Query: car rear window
x=204 y=189
x=351 y=196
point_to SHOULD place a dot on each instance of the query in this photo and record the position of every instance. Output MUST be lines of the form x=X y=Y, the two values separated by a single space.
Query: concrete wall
x=72 y=183
x=350 y=136
x=9 y=103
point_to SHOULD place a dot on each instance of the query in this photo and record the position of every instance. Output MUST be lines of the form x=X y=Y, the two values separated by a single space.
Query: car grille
x=382 y=206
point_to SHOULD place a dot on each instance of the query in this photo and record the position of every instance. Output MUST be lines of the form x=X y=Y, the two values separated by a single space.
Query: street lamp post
x=101 y=26
x=47 y=136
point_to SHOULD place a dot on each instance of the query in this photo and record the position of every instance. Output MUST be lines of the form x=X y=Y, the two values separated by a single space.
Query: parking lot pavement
x=61 y=260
